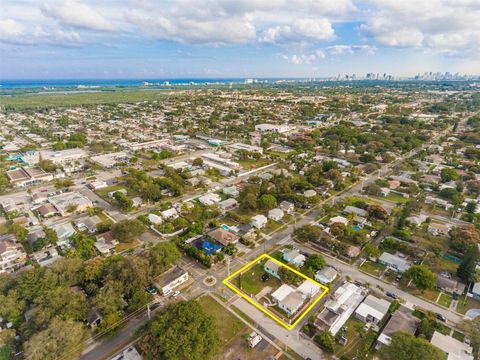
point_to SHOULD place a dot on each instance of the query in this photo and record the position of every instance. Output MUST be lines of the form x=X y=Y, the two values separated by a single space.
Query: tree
x=20 y=232
x=326 y=341
x=421 y=277
x=406 y=347
x=61 y=339
x=197 y=161
x=315 y=262
x=372 y=251
x=182 y=331
x=267 y=201
x=467 y=269
x=377 y=212
x=339 y=230
x=448 y=174
x=289 y=276
x=462 y=237
x=471 y=207
x=127 y=230
x=307 y=233
x=124 y=202
x=3 y=182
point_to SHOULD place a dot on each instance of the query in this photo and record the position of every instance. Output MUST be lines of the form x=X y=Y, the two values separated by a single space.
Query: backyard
x=251 y=283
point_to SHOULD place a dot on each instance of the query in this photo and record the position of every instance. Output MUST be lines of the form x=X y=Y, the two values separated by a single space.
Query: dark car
x=265 y=277
x=154 y=306
x=441 y=317
x=391 y=294
x=455 y=296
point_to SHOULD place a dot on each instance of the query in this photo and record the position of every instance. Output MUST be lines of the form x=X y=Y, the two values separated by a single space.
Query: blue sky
x=236 y=38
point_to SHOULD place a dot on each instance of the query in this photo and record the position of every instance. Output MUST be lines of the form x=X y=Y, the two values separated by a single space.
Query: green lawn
x=228 y=326
x=271 y=226
x=458 y=335
x=445 y=300
x=373 y=268
x=251 y=280
x=466 y=303
x=395 y=198
x=253 y=164
x=104 y=192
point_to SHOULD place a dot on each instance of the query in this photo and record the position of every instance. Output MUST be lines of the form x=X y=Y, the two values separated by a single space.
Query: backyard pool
x=356 y=227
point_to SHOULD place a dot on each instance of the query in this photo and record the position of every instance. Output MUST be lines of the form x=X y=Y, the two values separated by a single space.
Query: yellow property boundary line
x=226 y=281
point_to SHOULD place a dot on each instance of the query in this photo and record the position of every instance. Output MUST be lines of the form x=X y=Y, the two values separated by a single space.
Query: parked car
x=152 y=290
x=155 y=306
x=441 y=317
x=391 y=294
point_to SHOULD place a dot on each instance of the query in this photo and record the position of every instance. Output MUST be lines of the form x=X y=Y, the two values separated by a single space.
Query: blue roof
x=209 y=247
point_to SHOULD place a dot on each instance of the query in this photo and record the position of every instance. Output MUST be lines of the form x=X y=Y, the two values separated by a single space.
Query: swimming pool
x=225 y=227
x=356 y=227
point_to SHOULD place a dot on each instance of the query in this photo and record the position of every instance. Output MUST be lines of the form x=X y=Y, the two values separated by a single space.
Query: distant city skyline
x=125 y=39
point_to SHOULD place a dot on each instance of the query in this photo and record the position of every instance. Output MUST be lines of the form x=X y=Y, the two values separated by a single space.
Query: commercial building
x=28 y=176
x=246 y=147
x=67 y=202
x=272 y=128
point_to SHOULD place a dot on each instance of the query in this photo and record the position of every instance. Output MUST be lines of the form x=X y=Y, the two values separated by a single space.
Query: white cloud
x=13 y=32
x=301 y=30
x=328 y=53
x=449 y=26
x=75 y=14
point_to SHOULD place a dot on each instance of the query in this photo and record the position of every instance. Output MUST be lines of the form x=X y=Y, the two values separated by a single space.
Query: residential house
x=437 y=229
x=231 y=191
x=449 y=285
x=105 y=243
x=64 y=233
x=97 y=184
x=287 y=207
x=155 y=219
x=223 y=236
x=453 y=348
x=401 y=320
x=111 y=193
x=12 y=255
x=308 y=289
x=276 y=214
x=394 y=262
x=338 y=219
x=171 y=280
x=39 y=198
x=326 y=276
x=309 y=193
x=35 y=235
x=227 y=205
x=355 y=211
x=47 y=210
x=372 y=309
x=259 y=221
x=294 y=256
x=416 y=220
x=130 y=353
x=340 y=307
x=210 y=199
x=89 y=224
x=292 y=303
x=282 y=292
x=169 y=214
x=476 y=291
x=272 y=268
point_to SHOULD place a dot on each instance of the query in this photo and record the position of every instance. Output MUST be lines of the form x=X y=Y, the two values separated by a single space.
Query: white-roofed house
x=326 y=276
x=291 y=303
x=282 y=292
x=227 y=205
x=394 y=262
x=276 y=214
x=308 y=289
x=454 y=349
x=287 y=207
x=372 y=309
x=155 y=219
x=294 y=256
x=339 y=219
x=169 y=214
x=259 y=221
x=210 y=199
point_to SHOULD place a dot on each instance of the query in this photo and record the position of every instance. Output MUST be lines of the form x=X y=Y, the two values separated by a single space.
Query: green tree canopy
x=127 y=230
x=183 y=331
x=407 y=347
x=467 y=269
x=421 y=277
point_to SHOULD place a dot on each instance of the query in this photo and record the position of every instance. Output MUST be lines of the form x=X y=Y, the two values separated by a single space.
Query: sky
x=155 y=39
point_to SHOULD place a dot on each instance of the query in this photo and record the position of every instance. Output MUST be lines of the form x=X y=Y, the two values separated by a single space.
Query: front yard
x=373 y=268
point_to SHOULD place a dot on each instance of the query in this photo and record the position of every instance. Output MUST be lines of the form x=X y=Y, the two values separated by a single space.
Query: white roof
x=374 y=307
x=155 y=219
x=400 y=264
x=339 y=219
x=259 y=218
x=455 y=349
x=476 y=288
x=282 y=292
x=308 y=288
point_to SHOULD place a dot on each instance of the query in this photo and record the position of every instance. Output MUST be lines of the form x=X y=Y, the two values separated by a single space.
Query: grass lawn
x=251 y=280
x=228 y=326
x=395 y=198
x=458 y=335
x=271 y=226
x=466 y=303
x=445 y=300
x=438 y=263
x=253 y=164
x=104 y=192
x=356 y=343
x=442 y=328
x=373 y=268
x=125 y=246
